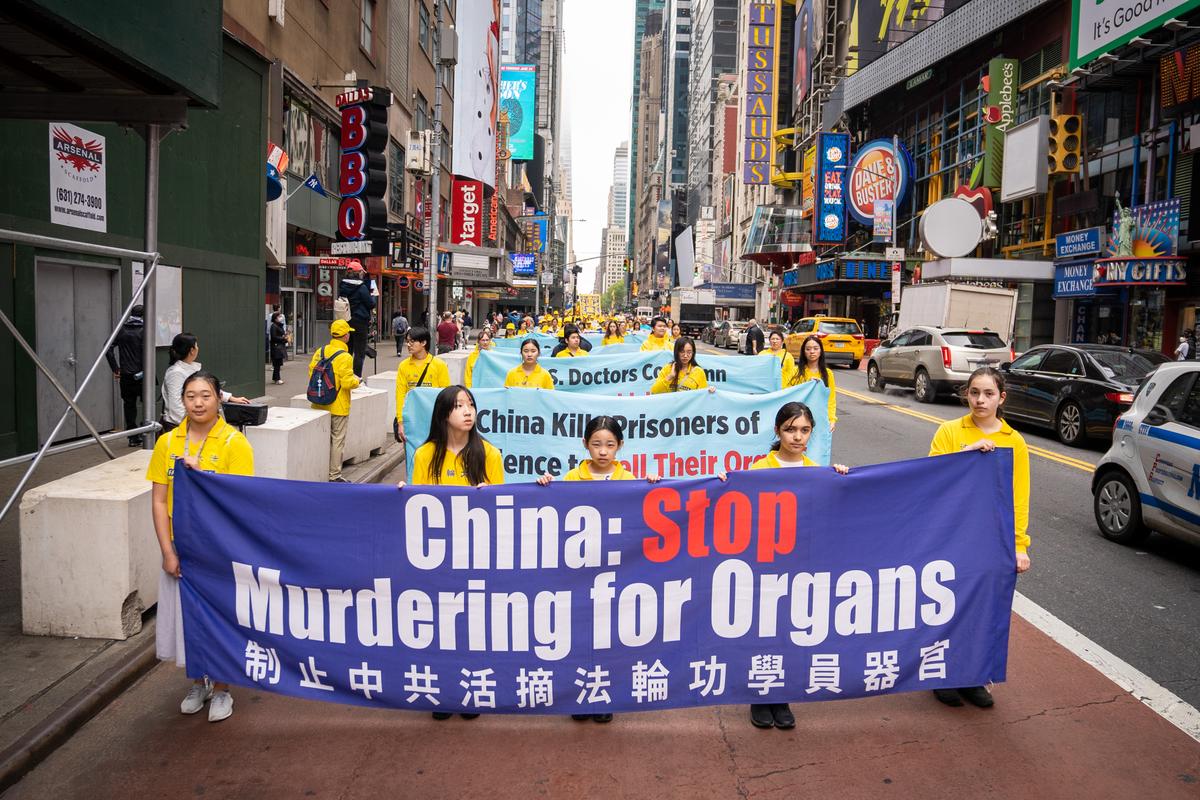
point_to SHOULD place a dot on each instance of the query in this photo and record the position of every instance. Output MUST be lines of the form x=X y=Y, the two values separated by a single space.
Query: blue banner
x=772 y=587
x=625 y=373
x=679 y=435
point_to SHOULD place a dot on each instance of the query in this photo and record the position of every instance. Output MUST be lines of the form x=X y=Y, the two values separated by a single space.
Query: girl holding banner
x=612 y=334
x=205 y=442
x=812 y=357
x=482 y=342
x=683 y=373
x=529 y=374
x=984 y=429
x=785 y=359
x=794 y=425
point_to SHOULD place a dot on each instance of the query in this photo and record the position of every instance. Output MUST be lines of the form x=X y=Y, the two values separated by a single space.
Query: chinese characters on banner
x=602 y=598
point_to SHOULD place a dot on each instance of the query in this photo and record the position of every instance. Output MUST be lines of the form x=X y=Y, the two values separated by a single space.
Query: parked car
x=726 y=335
x=708 y=335
x=841 y=337
x=1150 y=477
x=934 y=360
x=1079 y=390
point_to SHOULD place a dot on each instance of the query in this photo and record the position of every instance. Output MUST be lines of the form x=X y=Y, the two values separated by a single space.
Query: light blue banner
x=679 y=435
x=625 y=373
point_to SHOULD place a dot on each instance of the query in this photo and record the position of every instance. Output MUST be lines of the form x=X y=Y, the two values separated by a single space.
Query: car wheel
x=875 y=381
x=926 y=392
x=1118 y=509
x=1068 y=423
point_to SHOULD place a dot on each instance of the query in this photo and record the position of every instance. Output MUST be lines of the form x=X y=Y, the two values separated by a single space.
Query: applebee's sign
x=362 y=166
x=467 y=212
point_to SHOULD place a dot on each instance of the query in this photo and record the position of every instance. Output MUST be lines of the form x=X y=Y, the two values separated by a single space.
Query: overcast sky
x=597 y=84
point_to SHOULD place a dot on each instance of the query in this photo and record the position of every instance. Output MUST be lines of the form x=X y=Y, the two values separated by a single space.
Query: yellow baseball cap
x=339 y=328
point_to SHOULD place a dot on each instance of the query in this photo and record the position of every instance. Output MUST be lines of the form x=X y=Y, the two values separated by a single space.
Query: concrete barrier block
x=89 y=557
x=369 y=422
x=456 y=362
x=386 y=382
x=292 y=444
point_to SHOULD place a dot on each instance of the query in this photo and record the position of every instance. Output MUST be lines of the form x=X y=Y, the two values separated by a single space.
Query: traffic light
x=1063 y=151
x=628 y=268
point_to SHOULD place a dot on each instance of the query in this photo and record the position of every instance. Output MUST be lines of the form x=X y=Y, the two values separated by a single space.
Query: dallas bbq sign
x=362 y=171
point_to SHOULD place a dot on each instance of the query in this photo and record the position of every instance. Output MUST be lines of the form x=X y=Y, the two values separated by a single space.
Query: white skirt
x=168 y=633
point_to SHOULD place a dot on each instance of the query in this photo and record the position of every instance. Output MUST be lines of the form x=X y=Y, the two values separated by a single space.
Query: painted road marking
x=1161 y=700
x=1070 y=461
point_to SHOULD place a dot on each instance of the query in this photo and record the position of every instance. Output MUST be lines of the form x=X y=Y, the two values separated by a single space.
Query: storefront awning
x=988 y=269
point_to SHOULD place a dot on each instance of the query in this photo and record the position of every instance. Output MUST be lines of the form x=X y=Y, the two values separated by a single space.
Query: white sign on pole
x=78 y=185
x=893 y=253
x=897 y=275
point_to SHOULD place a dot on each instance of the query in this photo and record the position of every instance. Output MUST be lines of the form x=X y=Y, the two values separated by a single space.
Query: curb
x=27 y=752
x=382 y=465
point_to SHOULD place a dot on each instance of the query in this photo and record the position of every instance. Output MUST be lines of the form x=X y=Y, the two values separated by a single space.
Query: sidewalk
x=51 y=685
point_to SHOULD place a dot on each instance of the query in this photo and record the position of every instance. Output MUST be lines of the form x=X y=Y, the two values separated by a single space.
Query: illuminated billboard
x=518 y=97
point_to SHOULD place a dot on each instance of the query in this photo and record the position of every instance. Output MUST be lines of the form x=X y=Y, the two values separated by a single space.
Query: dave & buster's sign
x=362 y=171
x=877 y=174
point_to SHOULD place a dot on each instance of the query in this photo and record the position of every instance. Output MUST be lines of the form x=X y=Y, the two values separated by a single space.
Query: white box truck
x=958 y=305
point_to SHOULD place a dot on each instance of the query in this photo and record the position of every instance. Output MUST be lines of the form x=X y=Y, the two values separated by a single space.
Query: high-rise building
x=713 y=52
x=647 y=185
x=642 y=11
x=677 y=35
x=618 y=213
x=520 y=31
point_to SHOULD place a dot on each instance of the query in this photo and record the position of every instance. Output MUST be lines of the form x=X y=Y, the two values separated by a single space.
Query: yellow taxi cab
x=841 y=337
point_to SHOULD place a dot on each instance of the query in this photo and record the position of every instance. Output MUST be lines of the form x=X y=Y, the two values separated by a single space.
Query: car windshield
x=1127 y=366
x=982 y=340
x=847 y=328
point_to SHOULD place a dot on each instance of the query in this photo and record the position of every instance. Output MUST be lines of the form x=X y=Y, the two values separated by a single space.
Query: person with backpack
x=331 y=378
x=399 y=329
x=355 y=288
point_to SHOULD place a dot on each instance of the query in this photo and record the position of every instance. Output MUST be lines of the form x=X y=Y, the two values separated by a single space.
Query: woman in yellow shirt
x=787 y=363
x=529 y=374
x=612 y=334
x=683 y=373
x=813 y=368
x=207 y=443
x=793 y=428
x=482 y=342
x=984 y=429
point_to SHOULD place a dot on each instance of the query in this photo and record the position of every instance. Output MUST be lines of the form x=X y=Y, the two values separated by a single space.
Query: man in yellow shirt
x=658 y=338
x=346 y=381
x=419 y=369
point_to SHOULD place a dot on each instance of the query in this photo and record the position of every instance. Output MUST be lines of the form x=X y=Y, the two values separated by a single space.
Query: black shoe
x=761 y=716
x=977 y=696
x=581 y=717
x=441 y=715
x=338 y=480
x=136 y=441
x=602 y=717
x=468 y=716
x=782 y=714
x=948 y=696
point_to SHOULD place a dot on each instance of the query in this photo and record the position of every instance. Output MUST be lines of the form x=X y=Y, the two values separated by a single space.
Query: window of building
x=395 y=178
x=421 y=113
x=423 y=30
x=366 y=28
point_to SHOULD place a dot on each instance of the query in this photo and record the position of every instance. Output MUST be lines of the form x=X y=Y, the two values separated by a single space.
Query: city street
x=1059 y=729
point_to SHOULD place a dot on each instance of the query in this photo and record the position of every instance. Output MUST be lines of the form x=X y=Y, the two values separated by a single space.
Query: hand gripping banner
x=680 y=435
x=776 y=586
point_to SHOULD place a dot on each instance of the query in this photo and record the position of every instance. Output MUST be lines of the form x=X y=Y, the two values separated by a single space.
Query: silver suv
x=934 y=360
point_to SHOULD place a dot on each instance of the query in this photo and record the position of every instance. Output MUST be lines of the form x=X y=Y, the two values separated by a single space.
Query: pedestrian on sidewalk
x=421 y=368
x=482 y=342
x=1182 y=349
x=128 y=370
x=814 y=368
x=529 y=374
x=355 y=287
x=984 y=429
x=399 y=330
x=455 y=454
x=755 y=340
x=331 y=378
x=279 y=345
x=205 y=442
x=183 y=355
x=447 y=334
x=794 y=426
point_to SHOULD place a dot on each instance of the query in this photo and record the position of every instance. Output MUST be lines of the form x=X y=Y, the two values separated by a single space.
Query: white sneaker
x=221 y=706
x=196 y=697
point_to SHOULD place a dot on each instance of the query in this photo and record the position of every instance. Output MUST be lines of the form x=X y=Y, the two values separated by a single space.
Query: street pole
x=150 y=283
x=435 y=182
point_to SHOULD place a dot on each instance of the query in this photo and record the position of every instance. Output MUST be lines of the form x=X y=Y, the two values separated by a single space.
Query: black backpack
x=322 y=384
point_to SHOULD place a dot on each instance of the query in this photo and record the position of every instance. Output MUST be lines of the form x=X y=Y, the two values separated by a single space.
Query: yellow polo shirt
x=583 y=472
x=655 y=343
x=409 y=372
x=694 y=379
x=538 y=379
x=788 y=364
x=225 y=451
x=812 y=375
x=771 y=461
x=453 y=472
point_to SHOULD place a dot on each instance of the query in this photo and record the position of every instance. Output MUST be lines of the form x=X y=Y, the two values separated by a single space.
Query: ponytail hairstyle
x=680 y=343
x=201 y=375
x=789 y=411
x=822 y=369
x=985 y=372
x=181 y=345
x=473 y=456
x=604 y=423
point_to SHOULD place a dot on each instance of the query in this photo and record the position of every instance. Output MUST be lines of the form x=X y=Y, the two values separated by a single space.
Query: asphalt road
x=1142 y=604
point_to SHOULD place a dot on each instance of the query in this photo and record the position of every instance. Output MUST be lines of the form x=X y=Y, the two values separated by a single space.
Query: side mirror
x=1158 y=415
x=1004 y=367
